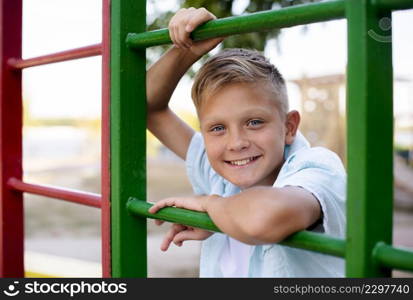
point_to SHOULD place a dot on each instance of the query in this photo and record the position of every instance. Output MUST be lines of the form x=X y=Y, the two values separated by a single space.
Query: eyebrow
x=252 y=111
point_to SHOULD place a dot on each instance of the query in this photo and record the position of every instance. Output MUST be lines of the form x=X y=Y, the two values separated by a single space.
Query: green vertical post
x=369 y=136
x=128 y=139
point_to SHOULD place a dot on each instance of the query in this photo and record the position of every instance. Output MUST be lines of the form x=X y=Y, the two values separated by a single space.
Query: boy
x=253 y=172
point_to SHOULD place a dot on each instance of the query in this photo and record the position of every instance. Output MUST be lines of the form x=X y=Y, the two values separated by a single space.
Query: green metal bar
x=386 y=255
x=285 y=17
x=304 y=239
x=393 y=257
x=393 y=4
x=171 y=214
x=370 y=139
x=128 y=136
x=316 y=242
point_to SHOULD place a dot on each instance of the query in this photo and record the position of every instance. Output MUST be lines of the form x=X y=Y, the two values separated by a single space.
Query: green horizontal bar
x=284 y=17
x=304 y=239
x=172 y=214
x=392 y=257
x=393 y=4
x=317 y=242
x=386 y=255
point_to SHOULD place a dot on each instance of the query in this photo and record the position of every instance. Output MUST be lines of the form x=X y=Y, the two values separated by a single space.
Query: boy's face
x=245 y=134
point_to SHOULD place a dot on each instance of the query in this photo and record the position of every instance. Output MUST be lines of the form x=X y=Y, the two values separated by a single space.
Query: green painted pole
x=386 y=255
x=128 y=136
x=304 y=239
x=370 y=138
x=393 y=257
x=285 y=17
x=281 y=18
x=171 y=214
x=393 y=4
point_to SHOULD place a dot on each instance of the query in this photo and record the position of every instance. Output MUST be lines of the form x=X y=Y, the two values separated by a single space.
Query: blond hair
x=238 y=66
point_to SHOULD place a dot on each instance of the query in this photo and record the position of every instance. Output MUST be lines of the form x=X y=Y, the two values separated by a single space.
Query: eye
x=217 y=128
x=254 y=123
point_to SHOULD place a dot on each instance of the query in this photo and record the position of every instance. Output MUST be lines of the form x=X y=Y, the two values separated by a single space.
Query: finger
x=187 y=33
x=199 y=17
x=189 y=234
x=171 y=26
x=172 y=34
x=153 y=209
x=160 y=204
x=178 y=42
x=184 y=36
x=170 y=235
x=179 y=20
x=178 y=37
x=167 y=240
x=180 y=34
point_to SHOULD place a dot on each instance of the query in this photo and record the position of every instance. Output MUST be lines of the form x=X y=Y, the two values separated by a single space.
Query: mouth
x=242 y=162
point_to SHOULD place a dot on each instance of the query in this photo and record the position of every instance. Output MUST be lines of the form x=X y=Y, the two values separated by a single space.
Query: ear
x=292 y=121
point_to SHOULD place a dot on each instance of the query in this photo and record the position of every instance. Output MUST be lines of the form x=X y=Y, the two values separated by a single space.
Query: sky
x=72 y=89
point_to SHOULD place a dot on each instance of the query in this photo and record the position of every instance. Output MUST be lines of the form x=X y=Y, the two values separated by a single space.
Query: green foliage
x=223 y=9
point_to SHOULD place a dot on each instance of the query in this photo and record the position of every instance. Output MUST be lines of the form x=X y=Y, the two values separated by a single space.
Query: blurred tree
x=223 y=9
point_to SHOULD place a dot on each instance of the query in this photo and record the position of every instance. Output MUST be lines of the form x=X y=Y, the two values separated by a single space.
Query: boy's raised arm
x=161 y=80
x=163 y=76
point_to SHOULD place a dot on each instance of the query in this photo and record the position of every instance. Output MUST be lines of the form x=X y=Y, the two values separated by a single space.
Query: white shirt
x=319 y=171
x=235 y=258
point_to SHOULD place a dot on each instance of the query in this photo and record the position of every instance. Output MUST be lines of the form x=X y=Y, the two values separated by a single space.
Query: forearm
x=164 y=75
x=239 y=215
x=263 y=215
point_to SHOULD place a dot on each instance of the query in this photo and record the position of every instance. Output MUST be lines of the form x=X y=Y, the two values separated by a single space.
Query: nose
x=237 y=140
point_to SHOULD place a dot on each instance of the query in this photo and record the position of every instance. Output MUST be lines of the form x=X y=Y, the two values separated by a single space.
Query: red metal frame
x=105 y=164
x=11 y=184
x=11 y=203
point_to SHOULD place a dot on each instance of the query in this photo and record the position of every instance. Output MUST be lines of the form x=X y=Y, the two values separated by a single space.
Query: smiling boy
x=251 y=170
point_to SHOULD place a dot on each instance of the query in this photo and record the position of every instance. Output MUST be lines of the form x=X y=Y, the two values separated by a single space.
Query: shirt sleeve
x=198 y=168
x=319 y=171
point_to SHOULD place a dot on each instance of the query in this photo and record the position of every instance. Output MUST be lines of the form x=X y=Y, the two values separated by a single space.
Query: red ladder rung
x=84 y=198
x=92 y=50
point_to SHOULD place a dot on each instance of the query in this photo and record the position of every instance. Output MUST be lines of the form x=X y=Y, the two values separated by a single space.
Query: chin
x=243 y=184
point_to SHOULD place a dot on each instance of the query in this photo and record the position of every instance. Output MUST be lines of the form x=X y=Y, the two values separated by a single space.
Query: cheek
x=213 y=149
x=273 y=144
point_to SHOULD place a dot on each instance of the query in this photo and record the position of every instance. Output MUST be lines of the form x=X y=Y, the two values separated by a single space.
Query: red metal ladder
x=11 y=122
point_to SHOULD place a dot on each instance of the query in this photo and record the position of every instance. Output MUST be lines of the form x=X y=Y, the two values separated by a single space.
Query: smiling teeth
x=240 y=162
